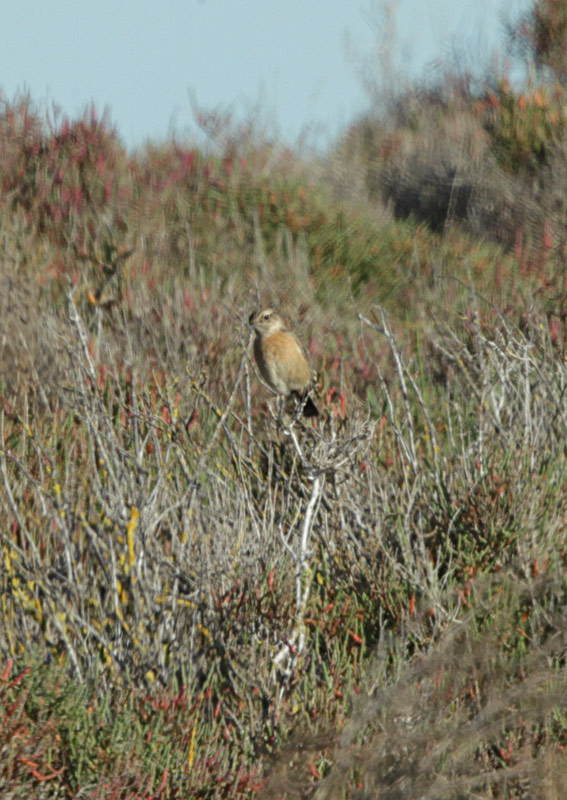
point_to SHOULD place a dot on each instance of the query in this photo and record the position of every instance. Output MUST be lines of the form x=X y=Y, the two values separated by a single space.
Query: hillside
x=197 y=601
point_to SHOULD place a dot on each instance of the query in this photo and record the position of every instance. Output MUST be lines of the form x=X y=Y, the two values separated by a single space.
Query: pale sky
x=297 y=60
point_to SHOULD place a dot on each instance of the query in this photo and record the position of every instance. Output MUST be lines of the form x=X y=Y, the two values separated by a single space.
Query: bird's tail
x=309 y=407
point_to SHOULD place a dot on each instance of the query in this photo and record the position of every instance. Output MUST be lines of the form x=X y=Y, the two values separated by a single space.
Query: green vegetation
x=198 y=602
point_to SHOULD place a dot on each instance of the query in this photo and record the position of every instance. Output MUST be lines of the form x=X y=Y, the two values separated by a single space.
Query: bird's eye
x=267 y=316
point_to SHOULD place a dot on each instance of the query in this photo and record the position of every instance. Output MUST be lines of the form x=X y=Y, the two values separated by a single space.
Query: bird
x=281 y=359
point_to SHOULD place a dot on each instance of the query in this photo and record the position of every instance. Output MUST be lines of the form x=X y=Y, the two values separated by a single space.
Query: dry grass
x=197 y=601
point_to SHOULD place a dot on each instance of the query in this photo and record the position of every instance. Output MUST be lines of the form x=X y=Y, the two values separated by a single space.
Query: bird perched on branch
x=281 y=359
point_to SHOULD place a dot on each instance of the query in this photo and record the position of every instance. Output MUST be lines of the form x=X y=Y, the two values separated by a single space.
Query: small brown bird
x=281 y=359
